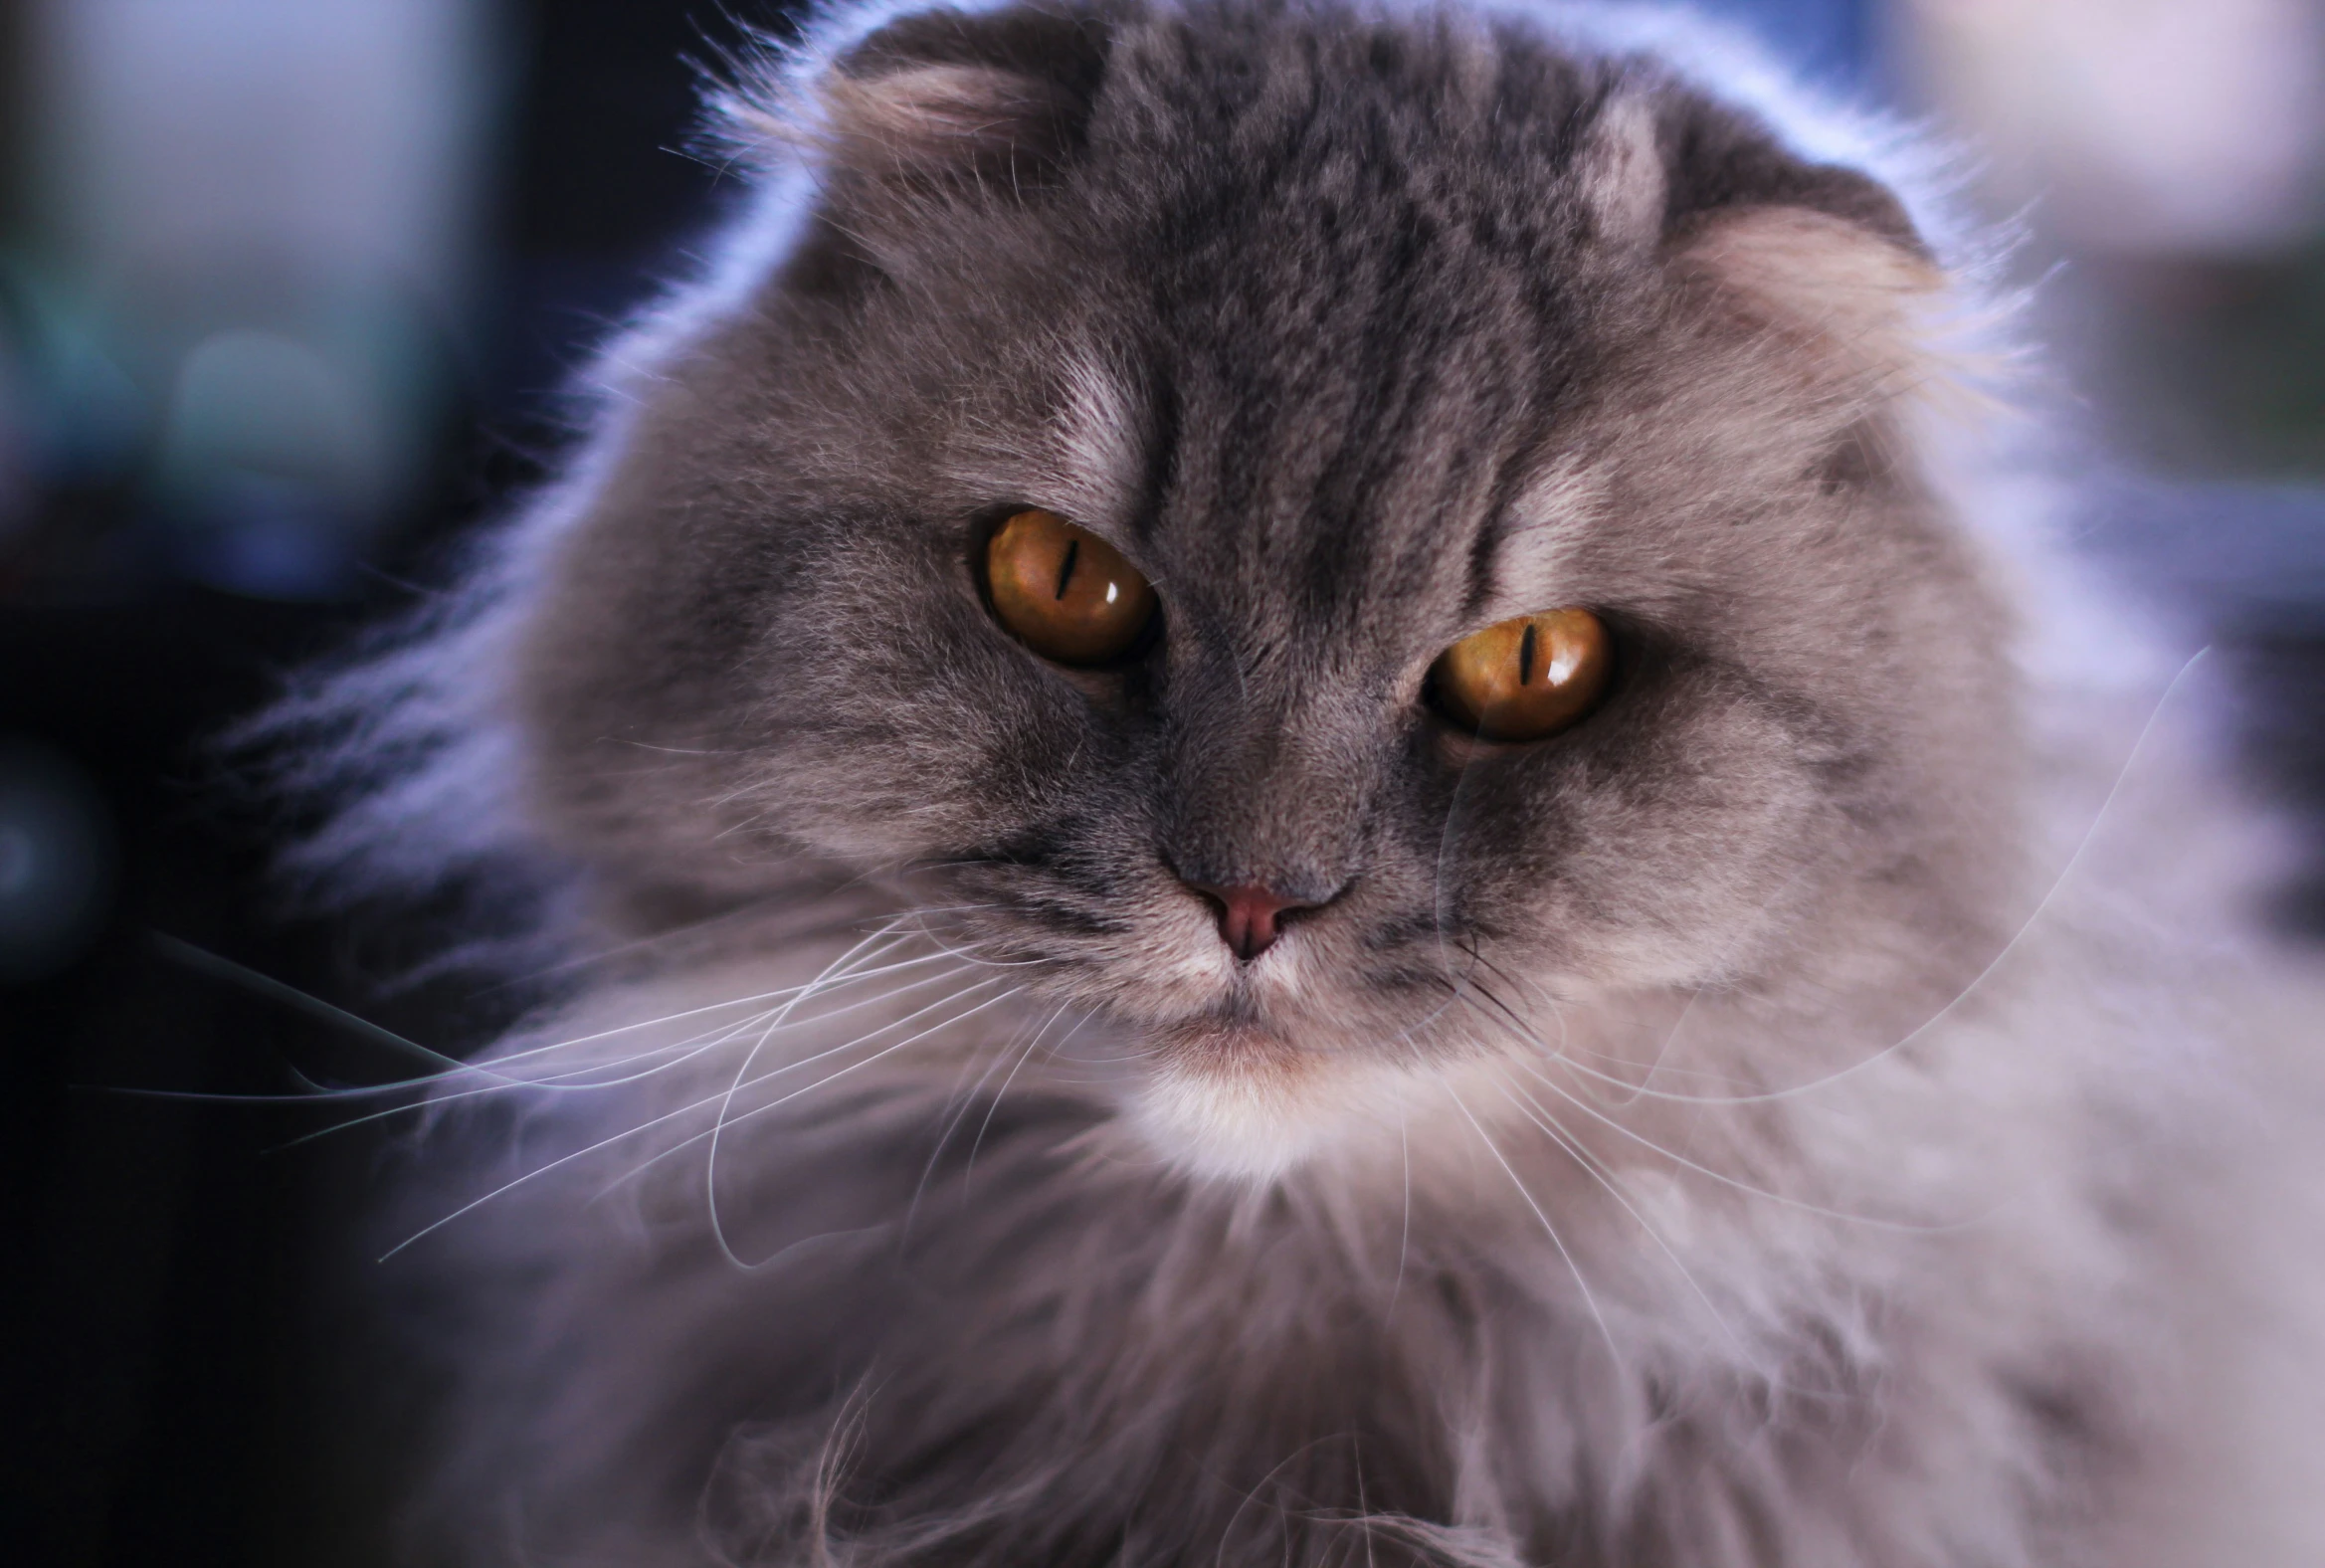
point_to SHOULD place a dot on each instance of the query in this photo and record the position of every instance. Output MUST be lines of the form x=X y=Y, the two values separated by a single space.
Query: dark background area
x=194 y=1376
x=192 y=1371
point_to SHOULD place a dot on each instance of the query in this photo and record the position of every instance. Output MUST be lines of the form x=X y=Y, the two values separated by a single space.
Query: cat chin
x=1238 y=1105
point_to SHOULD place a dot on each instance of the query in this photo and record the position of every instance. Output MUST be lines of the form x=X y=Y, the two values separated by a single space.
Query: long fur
x=1827 y=1109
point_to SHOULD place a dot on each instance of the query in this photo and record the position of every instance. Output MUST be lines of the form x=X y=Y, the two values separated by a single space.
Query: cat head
x=1332 y=341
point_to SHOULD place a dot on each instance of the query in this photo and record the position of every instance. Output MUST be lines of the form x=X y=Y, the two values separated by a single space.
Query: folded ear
x=1856 y=294
x=1819 y=251
x=940 y=98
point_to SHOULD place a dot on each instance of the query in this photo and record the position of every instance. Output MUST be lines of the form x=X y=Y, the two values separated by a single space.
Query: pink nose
x=1250 y=918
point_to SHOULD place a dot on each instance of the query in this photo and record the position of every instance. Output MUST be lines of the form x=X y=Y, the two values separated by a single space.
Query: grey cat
x=1331 y=805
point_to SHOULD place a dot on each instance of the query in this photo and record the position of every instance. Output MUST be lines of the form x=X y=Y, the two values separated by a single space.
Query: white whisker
x=644 y=1126
x=1405 y=1223
x=827 y=1079
x=742 y=1072
x=994 y=1104
x=2082 y=848
x=1726 y=1180
x=1534 y=1111
x=578 y=1080
x=1572 y=1267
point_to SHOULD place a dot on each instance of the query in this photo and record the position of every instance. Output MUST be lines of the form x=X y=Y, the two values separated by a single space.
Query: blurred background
x=288 y=291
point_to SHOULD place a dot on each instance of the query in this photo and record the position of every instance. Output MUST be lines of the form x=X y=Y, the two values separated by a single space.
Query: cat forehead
x=1081 y=448
x=1467 y=521
x=1579 y=506
x=1314 y=346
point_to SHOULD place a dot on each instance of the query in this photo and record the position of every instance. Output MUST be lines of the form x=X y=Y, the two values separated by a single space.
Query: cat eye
x=1524 y=679
x=1065 y=592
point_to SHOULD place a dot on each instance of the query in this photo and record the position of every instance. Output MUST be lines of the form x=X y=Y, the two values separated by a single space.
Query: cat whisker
x=1537 y=1114
x=574 y=1080
x=1590 y=1299
x=2082 y=848
x=1695 y=994
x=725 y=1095
x=1251 y=1493
x=717 y=1230
x=958 y=1105
x=433 y=1103
x=203 y=961
x=973 y=957
x=978 y=1142
x=265 y=985
x=1512 y=1019
x=742 y=1071
x=1444 y=844
x=744 y=825
x=719 y=1125
x=788 y=994
x=1874 y=1221
x=1405 y=1220
x=670 y=1116
x=1509 y=1022
x=781 y=994
x=675 y=752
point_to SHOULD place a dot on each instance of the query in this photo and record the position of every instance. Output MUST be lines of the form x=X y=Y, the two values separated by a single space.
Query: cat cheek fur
x=1710 y=1136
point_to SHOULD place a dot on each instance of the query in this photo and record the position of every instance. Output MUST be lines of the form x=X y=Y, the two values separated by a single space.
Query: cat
x=1322 y=796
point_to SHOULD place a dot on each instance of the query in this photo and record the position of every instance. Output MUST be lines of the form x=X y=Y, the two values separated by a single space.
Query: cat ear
x=1854 y=293
x=1621 y=172
x=940 y=98
x=1817 y=251
x=1722 y=159
x=1802 y=243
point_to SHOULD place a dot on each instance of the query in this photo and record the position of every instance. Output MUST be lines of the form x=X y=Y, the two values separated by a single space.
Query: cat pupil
x=1066 y=569
x=1526 y=657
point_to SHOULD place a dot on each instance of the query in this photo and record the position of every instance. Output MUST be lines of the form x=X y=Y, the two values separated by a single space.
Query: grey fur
x=1643 y=1158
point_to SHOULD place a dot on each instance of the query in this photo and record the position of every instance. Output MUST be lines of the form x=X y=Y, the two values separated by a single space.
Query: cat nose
x=1250 y=916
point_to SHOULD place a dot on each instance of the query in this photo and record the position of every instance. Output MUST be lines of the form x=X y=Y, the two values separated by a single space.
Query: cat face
x=1353 y=342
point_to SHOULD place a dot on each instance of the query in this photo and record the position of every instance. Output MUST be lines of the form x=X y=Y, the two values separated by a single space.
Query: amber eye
x=1067 y=593
x=1524 y=679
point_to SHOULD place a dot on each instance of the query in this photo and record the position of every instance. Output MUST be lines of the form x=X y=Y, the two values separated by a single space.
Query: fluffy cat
x=1202 y=1083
